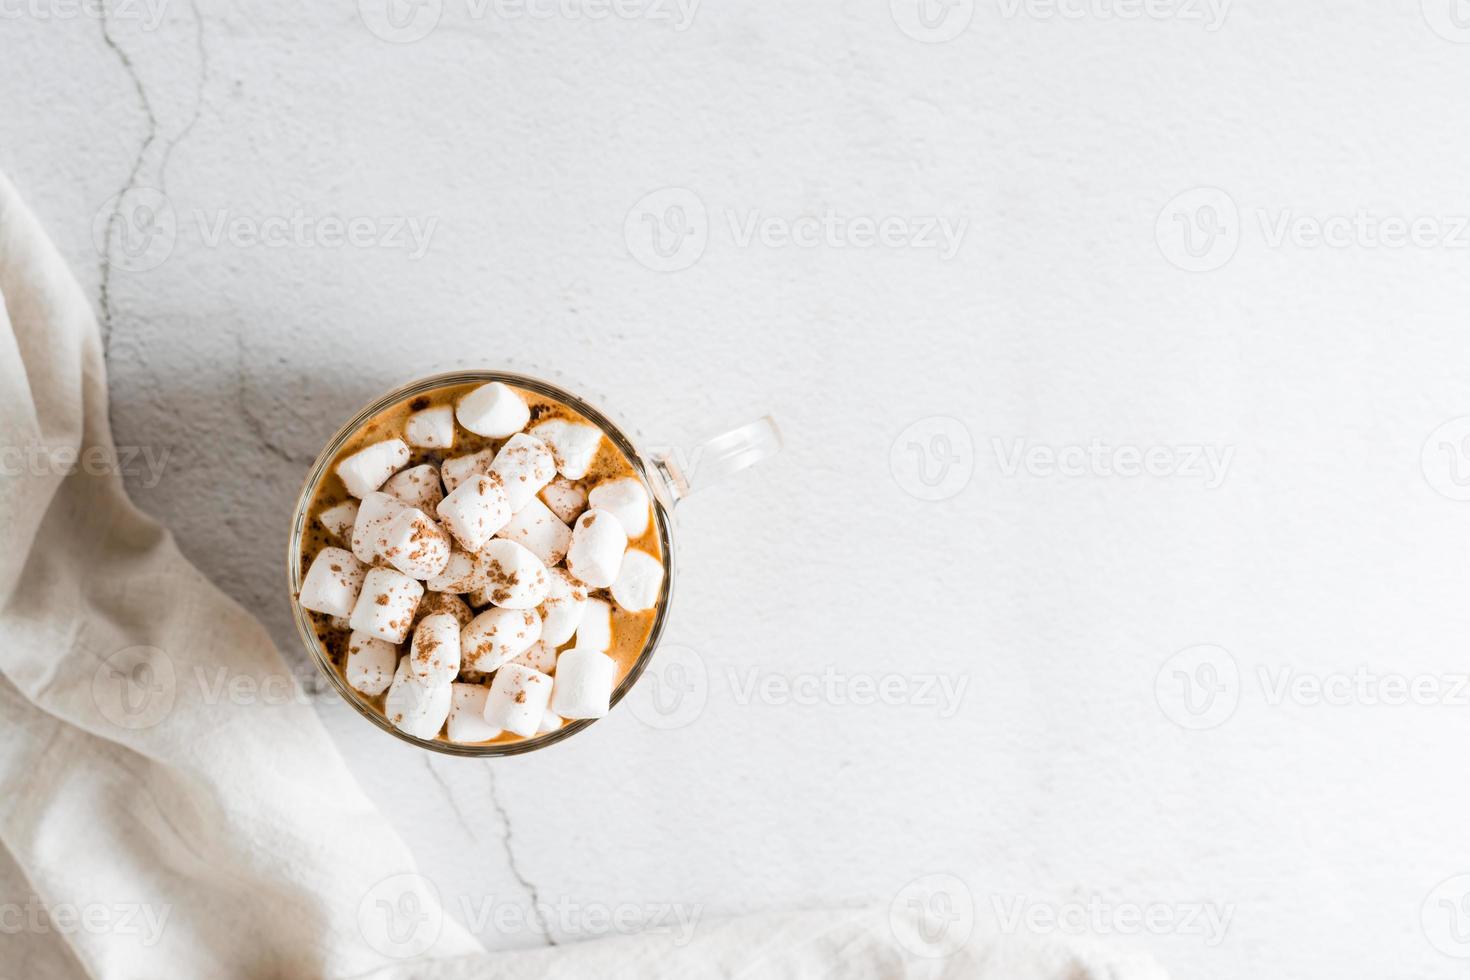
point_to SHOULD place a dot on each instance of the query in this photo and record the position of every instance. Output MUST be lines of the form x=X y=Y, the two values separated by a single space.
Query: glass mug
x=666 y=479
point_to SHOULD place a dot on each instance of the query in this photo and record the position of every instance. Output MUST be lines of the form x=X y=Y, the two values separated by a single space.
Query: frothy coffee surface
x=630 y=630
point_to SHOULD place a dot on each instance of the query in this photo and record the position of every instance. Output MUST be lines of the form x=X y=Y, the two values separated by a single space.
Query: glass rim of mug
x=642 y=468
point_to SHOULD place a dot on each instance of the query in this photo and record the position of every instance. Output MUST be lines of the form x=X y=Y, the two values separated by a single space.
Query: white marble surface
x=1052 y=146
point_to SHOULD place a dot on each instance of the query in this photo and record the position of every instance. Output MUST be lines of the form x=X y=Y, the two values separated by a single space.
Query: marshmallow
x=418 y=487
x=366 y=471
x=333 y=583
x=584 y=684
x=565 y=499
x=540 y=657
x=540 y=531
x=339 y=520
x=433 y=428
x=373 y=517
x=415 y=708
x=574 y=444
x=525 y=464
x=517 y=699
x=459 y=469
x=370 y=664
x=461 y=574
x=638 y=581
x=566 y=600
x=596 y=551
x=594 y=632
x=475 y=511
x=434 y=655
x=626 y=500
x=340 y=623
x=416 y=546
x=497 y=636
x=386 y=606
x=514 y=577
x=467 y=714
x=549 y=722
x=495 y=410
x=437 y=602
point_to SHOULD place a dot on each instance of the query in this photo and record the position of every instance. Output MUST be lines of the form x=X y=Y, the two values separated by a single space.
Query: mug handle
x=718 y=458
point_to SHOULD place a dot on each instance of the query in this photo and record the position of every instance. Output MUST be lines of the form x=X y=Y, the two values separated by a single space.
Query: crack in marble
x=449 y=795
x=106 y=262
x=171 y=145
x=105 y=297
x=506 y=842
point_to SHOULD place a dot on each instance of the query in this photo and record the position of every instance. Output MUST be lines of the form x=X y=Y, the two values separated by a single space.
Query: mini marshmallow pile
x=483 y=566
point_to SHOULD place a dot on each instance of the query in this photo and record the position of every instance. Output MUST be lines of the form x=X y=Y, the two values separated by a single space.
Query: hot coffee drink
x=483 y=564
